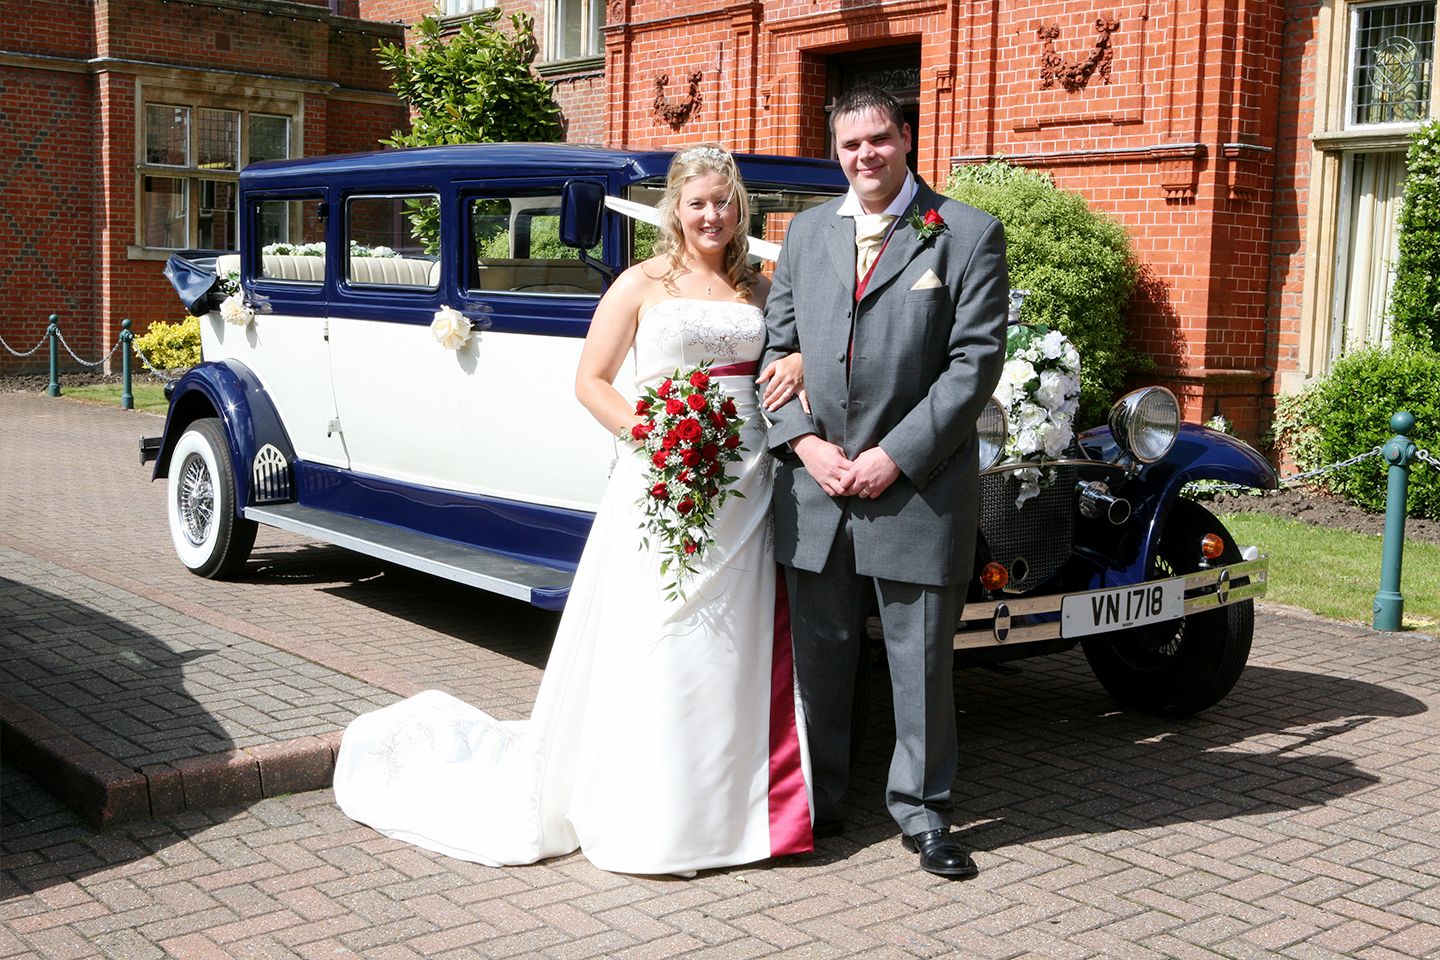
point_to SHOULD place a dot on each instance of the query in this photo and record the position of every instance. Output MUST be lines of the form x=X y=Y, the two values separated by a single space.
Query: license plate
x=1101 y=611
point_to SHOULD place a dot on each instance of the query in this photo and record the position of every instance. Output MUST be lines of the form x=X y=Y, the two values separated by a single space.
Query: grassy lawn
x=1336 y=573
x=148 y=396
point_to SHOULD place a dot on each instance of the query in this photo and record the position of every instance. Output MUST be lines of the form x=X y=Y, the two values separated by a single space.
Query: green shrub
x=1415 y=297
x=1077 y=264
x=171 y=346
x=1348 y=413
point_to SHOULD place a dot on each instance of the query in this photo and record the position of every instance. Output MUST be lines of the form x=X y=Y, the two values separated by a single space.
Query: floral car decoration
x=1039 y=392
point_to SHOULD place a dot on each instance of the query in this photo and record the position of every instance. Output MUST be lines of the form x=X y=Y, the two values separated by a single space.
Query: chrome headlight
x=991 y=429
x=1145 y=422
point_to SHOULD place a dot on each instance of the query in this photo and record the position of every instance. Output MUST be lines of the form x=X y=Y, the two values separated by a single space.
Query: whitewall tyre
x=209 y=537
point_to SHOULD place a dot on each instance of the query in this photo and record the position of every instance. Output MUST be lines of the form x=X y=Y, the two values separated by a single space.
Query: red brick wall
x=1180 y=142
x=47 y=210
x=67 y=162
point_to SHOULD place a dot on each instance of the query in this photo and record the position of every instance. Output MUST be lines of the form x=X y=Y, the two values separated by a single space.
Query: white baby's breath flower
x=233 y=310
x=450 y=328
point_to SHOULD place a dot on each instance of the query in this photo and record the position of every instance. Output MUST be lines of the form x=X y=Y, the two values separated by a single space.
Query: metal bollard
x=127 y=399
x=53 y=332
x=1399 y=452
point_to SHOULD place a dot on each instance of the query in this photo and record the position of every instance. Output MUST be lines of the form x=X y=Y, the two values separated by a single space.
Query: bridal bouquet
x=689 y=432
x=1039 y=391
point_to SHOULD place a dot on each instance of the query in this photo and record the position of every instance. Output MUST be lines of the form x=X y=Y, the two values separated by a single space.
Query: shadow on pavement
x=90 y=700
x=1045 y=753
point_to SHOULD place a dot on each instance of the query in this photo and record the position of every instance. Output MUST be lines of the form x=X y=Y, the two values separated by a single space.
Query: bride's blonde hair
x=688 y=164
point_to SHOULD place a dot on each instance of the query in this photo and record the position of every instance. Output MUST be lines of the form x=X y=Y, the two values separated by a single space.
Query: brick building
x=126 y=124
x=1252 y=148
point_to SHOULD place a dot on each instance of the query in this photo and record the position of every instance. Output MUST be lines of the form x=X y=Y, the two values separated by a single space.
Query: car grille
x=1038 y=534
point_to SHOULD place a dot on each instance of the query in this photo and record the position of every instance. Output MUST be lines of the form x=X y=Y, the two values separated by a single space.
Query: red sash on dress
x=789 y=802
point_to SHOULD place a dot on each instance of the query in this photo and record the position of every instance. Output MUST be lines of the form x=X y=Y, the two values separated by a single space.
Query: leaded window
x=1392 y=60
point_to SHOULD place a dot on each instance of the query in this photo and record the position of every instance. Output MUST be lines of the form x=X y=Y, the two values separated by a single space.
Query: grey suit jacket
x=925 y=361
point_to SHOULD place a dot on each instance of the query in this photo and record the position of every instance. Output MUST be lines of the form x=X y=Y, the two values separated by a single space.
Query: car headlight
x=992 y=430
x=1145 y=422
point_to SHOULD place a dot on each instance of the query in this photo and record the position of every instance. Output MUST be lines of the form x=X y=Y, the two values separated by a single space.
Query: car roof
x=481 y=160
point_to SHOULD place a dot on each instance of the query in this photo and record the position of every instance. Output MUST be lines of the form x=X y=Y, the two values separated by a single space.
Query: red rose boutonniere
x=930 y=225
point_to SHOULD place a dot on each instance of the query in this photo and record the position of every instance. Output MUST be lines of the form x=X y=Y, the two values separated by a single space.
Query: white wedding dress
x=665 y=736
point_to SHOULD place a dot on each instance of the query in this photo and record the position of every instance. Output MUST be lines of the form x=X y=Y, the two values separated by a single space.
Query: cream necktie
x=870 y=231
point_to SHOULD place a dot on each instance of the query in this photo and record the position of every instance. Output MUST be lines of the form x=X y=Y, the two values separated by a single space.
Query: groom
x=896 y=296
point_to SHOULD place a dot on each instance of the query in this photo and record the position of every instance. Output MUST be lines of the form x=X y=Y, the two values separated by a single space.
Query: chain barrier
x=27 y=352
x=1425 y=456
x=155 y=372
x=87 y=363
x=1306 y=475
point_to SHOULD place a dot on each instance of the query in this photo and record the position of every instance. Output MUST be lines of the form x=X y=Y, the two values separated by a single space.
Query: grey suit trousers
x=828 y=613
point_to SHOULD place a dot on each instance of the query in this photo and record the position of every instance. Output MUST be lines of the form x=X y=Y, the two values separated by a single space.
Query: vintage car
x=341 y=398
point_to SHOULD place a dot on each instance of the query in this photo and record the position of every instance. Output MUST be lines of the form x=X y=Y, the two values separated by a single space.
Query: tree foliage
x=1077 y=264
x=1415 y=298
x=475 y=87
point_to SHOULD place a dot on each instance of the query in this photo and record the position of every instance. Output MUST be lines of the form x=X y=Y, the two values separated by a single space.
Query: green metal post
x=127 y=399
x=1399 y=451
x=54 y=334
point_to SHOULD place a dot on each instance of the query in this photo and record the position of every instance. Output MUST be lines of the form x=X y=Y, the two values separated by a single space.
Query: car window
x=516 y=249
x=394 y=241
x=292 y=239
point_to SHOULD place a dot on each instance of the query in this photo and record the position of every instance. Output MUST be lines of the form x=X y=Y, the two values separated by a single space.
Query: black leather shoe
x=827 y=828
x=941 y=855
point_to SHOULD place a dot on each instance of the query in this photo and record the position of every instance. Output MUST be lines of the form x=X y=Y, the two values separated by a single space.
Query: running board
x=545 y=587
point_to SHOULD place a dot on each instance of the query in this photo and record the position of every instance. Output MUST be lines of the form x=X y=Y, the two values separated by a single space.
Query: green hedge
x=1077 y=264
x=171 y=346
x=1348 y=413
x=1415 y=298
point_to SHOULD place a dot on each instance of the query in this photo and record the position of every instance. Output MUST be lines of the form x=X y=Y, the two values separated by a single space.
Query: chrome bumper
x=987 y=623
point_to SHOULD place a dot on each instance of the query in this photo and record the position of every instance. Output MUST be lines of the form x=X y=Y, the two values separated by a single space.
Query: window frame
x=343 y=269
x=192 y=175
x=592 y=30
x=1353 y=12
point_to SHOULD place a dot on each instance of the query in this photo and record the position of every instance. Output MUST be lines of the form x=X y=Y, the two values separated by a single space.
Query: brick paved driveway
x=1297 y=819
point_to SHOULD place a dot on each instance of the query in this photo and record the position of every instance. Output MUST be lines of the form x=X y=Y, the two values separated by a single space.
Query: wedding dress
x=665 y=734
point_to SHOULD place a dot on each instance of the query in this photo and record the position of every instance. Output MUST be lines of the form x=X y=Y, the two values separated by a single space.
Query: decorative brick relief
x=1074 y=76
x=676 y=111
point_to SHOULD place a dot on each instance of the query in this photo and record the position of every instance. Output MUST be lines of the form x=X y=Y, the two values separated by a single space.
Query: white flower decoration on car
x=1039 y=391
x=450 y=328
x=234 y=310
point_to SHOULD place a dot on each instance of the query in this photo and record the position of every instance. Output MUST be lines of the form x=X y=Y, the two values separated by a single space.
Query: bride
x=664 y=738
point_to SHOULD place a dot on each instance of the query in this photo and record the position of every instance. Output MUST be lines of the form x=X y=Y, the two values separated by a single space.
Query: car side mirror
x=582 y=202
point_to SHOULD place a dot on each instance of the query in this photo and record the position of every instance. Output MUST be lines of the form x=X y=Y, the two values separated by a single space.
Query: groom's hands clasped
x=866 y=477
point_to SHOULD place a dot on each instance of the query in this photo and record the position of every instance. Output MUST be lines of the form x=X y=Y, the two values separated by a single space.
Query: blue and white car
x=340 y=398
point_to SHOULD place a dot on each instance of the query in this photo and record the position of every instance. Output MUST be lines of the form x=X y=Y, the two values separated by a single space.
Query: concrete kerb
x=106 y=792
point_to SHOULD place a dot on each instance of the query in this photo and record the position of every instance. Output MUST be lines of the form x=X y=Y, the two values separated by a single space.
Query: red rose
x=642 y=407
x=711 y=469
x=688 y=429
x=659 y=458
x=696 y=401
x=641 y=430
x=933 y=218
x=665 y=388
x=710 y=451
x=690 y=545
x=684 y=476
x=670 y=440
x=685 y=506
x=717 y=419
x=699 y=380
x=728 y=407
x=660 y=492
x=690 y=457
x=674 y=406
x=732 y=442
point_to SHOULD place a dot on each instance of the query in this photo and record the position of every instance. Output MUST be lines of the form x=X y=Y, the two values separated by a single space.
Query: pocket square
x=928 y=281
